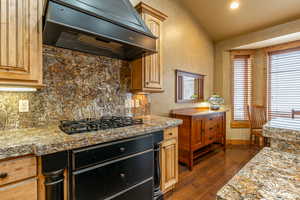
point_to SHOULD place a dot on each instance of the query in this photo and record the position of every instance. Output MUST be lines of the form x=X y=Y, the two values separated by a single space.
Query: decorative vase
x=215 y=102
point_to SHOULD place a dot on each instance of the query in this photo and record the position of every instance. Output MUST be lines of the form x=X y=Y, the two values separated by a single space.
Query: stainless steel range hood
x=103 y=27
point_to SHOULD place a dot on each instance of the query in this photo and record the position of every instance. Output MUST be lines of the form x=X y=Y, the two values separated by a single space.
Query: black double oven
x=127 y=169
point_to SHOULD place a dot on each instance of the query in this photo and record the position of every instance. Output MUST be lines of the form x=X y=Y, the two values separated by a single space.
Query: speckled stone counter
x=284 y=134
x=50 y=139
x=270 y=175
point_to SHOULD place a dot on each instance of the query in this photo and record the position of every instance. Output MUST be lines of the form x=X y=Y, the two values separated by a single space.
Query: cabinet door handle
x=3 y=175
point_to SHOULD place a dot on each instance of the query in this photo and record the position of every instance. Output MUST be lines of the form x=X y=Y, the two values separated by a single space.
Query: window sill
x=240 y=124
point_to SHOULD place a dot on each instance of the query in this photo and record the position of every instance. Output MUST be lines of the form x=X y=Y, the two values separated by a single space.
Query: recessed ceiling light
x=234 y=4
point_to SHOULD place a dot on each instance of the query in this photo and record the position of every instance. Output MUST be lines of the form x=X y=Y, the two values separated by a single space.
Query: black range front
x=122 y=170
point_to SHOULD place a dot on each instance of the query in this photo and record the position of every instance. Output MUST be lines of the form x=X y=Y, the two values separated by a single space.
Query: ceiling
x=222 y=23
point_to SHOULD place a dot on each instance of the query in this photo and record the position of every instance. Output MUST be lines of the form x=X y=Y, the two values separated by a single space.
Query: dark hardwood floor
x=210 y=173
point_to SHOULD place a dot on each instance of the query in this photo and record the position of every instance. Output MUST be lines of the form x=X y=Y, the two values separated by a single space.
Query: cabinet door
x=21 y=42
x=169 y=164
x=197 y=133
x=153 y=69
x=26 y=190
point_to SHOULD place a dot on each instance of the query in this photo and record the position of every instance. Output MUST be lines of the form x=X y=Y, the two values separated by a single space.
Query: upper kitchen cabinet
x=147 y=72
x=21 y=43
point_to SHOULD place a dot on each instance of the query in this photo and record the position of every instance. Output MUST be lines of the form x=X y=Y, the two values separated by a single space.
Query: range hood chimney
x=110 y=28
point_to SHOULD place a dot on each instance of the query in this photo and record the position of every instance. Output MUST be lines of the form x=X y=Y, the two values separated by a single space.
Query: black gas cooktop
x=88 y=125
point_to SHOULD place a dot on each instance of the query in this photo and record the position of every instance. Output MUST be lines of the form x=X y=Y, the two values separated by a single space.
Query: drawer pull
x=122 y=149
x=171 y=134
x=210 y=138
x=210 y=119
x=211 y=128
x=3 y=175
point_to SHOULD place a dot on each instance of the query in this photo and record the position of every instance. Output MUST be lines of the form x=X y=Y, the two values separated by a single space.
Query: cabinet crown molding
x=144 y=8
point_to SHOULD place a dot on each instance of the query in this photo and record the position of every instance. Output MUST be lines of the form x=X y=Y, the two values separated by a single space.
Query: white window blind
x=241 y=86
x=283 y=83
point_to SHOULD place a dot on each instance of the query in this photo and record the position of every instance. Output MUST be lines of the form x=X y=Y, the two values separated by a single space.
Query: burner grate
x=90 y=124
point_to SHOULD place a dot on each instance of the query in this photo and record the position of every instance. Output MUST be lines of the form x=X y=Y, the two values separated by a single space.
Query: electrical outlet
x=23 y=105
x=137 y=103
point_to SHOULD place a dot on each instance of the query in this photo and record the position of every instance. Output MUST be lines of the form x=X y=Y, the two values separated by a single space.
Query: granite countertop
x=197 y=111
x=50 y=139
x=283 y=129
x=270 y=175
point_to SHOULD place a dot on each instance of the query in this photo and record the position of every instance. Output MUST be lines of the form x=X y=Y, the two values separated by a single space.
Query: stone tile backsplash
x=78 y=85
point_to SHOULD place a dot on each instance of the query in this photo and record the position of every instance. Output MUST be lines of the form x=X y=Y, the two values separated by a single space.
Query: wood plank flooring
x=210 y=173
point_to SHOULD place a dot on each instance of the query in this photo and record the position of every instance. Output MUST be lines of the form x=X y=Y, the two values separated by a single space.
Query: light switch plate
x=128 y=103
x=23 y=105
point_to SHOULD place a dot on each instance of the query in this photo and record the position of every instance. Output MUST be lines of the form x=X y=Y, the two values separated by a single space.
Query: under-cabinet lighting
x=17 y=89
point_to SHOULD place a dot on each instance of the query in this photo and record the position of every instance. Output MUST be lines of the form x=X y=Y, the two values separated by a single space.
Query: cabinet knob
x=170 y=133
x=147 y=83
x=122 y=149
x=3 y=175
x=122 y=175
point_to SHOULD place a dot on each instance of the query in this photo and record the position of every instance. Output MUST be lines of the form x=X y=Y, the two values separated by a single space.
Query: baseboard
x=237 y=142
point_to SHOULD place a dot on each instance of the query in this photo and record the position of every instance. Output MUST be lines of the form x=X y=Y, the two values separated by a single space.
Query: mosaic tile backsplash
x=78 y=85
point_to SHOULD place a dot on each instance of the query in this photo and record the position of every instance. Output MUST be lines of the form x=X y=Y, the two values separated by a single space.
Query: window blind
x=241 y=86
x=283 y=83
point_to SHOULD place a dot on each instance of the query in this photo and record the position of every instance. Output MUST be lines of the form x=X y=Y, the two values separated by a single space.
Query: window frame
x=269 y=51
x=241 y=123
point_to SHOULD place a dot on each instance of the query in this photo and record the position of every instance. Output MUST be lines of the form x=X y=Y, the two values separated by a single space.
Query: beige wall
x=222 y=75
x=186 y=46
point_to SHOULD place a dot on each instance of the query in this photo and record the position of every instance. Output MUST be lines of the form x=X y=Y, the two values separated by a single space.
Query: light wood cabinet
x=147 y=72
x=169 y=159
x=26 y=190
x=21 y=42
x=18 y=179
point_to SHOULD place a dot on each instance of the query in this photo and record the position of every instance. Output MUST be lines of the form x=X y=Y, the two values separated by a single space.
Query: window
x=241 y=89
x=283 y=91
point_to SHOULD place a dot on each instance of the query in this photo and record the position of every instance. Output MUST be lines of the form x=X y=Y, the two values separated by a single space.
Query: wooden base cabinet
x=18 y=179
x=200 y=133
x=169 y=159
x=26 y=190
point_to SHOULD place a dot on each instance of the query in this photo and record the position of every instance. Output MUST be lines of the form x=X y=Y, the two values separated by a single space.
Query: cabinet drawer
x=143 y=191
x=103 y=181
x=102 y=153
x=17 y=169
x=26 y=190
x=212 y=122
x=211 y=135
x=170 y=133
